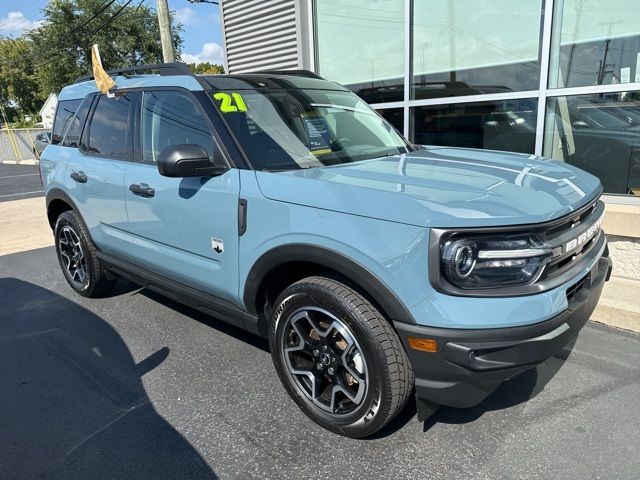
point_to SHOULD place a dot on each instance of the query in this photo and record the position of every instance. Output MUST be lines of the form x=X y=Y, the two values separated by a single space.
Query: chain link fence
x=17 y=145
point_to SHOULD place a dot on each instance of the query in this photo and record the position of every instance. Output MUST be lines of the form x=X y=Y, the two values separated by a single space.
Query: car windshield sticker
x=230 y=102
x=317 y=132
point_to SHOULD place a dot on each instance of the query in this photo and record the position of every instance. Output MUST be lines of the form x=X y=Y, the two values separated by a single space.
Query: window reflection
x=360 y=44
x=595 y=43
x=600 y=134
x=504 y=125
x=494 y=49
x=394 y=116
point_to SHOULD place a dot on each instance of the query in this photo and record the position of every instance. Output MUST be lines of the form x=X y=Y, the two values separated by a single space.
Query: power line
x=92 y=34
x=106 y=4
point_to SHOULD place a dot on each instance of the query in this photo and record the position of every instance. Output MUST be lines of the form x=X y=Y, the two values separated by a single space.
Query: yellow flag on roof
x=102 y=78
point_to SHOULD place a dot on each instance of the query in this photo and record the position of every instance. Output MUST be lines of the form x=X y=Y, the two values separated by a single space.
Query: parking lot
x=19 y=181
x=137 y=386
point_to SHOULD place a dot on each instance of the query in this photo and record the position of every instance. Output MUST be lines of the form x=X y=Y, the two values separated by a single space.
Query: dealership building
x=559 y=78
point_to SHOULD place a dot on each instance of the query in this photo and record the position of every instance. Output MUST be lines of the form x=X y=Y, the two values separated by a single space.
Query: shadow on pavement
x=208 y=320
x=72 y=401
x=513 y=392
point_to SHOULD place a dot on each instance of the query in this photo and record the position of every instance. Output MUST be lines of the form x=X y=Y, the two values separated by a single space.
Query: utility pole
x=165 y=31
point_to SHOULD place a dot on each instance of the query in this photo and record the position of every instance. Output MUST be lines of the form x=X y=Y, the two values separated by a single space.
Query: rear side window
x=76 y=123
x=109 y=128
x=172 y=118
x=64 y=112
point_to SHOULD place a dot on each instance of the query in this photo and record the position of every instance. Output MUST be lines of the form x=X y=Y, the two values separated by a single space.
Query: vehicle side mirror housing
x=187 y=160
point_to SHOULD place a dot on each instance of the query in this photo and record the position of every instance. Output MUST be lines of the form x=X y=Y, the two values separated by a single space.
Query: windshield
x=294 y=129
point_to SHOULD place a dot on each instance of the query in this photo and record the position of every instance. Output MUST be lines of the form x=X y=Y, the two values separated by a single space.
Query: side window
x=172 y=118
x=64 y=111
x=75 y=125
x=109 y=128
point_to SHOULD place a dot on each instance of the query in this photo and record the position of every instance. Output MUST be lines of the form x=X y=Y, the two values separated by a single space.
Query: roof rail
x=165 y=69
x=297 y=73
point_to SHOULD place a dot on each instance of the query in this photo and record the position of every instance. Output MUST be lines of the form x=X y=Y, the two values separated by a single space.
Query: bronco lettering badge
x=585 y=236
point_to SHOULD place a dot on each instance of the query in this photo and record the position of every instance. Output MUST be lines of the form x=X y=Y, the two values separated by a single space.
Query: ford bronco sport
x=281 y=203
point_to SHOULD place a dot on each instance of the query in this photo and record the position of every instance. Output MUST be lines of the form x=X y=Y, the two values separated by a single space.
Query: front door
x=183 y=228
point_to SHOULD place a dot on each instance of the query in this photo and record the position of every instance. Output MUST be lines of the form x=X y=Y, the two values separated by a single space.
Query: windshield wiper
x=272 y=170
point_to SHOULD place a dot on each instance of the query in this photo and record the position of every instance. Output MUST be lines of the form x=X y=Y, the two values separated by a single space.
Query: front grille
x=571 y=228
x=571 y=220
x=573 y=290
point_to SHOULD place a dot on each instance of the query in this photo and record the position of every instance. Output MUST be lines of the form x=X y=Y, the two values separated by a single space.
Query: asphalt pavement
x=19 y=181
x=138 y=386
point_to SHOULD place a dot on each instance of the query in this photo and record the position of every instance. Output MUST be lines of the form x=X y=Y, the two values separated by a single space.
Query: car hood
x=440 y=187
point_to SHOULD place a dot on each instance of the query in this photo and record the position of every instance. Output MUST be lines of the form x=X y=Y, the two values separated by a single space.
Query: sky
x=202 y=33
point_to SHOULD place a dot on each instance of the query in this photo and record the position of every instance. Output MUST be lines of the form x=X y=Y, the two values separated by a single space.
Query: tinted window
x=76 y=123
x=471 y=47
x=109 y=133
x=501 y=125
x=64 y=112
x=360 y=45
x=172 y=118
x=594 y=43
x=599 y=133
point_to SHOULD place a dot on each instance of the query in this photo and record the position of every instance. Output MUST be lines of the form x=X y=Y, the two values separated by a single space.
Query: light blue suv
x=281 y=203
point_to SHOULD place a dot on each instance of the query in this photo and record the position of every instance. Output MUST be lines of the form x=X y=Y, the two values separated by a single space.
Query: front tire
x=76 y=255
x=338 y=357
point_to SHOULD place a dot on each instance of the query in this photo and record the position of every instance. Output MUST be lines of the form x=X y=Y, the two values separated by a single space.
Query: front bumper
x=471 y=363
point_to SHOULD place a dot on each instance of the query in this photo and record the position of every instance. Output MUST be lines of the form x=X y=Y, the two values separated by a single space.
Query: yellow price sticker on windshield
x=230 y=102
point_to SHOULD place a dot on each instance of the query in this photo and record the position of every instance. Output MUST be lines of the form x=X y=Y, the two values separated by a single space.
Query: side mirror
x=187 y=161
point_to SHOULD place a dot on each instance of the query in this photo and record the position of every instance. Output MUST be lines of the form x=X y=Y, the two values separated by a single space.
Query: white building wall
x=48 y=111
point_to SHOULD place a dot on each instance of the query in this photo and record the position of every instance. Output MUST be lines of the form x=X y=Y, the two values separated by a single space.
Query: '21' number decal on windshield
x=227 y=102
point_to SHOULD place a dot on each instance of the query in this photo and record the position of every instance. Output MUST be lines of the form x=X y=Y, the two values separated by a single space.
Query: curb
x=28 y=161
x=619 y=305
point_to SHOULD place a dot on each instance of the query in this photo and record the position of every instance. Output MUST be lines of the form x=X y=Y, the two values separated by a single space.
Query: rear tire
x=338 y=357
x=76 y=255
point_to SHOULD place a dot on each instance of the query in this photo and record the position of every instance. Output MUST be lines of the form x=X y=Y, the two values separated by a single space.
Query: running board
x=201 y=301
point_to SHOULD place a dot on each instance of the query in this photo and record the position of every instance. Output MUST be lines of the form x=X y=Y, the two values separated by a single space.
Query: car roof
x=259 y=81
x=249 y=81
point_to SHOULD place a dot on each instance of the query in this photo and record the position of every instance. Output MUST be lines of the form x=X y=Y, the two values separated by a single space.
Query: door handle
x=142 y=190
x=79 y=177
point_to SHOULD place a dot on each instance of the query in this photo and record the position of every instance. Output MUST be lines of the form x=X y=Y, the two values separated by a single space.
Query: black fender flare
x=331 y=259
x=59 y=194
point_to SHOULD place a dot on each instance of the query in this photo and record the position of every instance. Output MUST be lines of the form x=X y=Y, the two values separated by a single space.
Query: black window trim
x=92 y=99
x=84 y=142
x=228 y=154
x=217 y=142
x=56 y=117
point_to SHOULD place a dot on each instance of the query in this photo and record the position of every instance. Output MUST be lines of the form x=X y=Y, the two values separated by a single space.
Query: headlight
x=478 y=262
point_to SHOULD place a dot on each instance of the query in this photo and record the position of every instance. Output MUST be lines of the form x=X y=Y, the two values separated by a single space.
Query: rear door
x=95 y=170
x=183 y=228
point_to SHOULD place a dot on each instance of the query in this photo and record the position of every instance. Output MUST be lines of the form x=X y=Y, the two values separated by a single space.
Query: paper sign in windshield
x=318 y=135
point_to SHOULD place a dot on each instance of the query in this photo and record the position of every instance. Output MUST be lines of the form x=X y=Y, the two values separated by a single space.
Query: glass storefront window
x=360 y=44
x=595 y=42
x=471 y=47
x=500 y=125
x=394 y=116
x=599 y=133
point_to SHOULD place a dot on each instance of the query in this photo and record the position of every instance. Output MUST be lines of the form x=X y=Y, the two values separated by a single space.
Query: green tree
x=206 y=68
x=19 y=93
x=126 y=32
